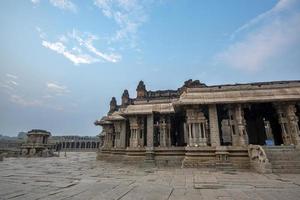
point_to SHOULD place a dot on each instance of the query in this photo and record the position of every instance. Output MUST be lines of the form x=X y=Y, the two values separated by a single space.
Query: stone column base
x=149 y=158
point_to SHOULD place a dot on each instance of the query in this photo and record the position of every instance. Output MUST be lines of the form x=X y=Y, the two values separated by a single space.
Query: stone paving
x=80 y=176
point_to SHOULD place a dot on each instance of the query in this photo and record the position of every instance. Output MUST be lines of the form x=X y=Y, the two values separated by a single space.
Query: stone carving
x=113 y=105
x=125 y=98
x=37 y=144
x=141 y=90
x=258 y=159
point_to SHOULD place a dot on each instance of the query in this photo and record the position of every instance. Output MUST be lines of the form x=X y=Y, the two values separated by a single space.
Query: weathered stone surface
x=80 y=176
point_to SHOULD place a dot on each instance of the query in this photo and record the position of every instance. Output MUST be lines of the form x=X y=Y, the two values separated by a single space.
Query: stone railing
x=258 y=159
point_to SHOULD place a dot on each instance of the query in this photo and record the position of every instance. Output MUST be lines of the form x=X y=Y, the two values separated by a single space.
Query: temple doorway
x=298 y=112
x=127 y=137
x=224 y=125
x=177 y=129
x=262 y=124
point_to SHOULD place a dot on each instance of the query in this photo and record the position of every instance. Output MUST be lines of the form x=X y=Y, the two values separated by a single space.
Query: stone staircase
x=284 y=159
x=225 y=166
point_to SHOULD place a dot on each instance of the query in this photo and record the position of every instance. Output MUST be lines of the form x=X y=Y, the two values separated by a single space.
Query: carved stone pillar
x=232 y=125
x=190 y=135
x=195 y=134
x=149 y=157
x=164 y=126
x=123 y=134
x=150 y=131
x=117 y=126
x=141 y=132
x=237 y=124
x=162 y=130
x=185 y=129
x=108 y=143
x=214 y=125
x=282 y=120
x=293 y=123
x=134 y=129
x=196 y=127
x=203 y=136
x=241 y=125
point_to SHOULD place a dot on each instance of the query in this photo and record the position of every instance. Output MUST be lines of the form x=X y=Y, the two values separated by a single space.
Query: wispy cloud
x=76 y=58
x=263 y=38
x=61 y=4
x=35 y=1
x=87 y=42
x=79 y=48
x=64 y=5
x=10 y=82
x=129 y=15
x=12 y=76
x=24 y=102
x=49 y=96
x=29 y=102
x=57 y=88
x=281 y=6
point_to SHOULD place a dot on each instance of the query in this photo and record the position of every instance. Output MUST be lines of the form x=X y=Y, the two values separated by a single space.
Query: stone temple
x=242 y=126
x=37 y=144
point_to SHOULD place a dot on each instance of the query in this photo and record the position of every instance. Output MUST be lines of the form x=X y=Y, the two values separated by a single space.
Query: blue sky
x=61 y=61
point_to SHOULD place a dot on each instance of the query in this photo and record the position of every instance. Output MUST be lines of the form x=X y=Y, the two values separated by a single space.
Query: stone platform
x=80 y=176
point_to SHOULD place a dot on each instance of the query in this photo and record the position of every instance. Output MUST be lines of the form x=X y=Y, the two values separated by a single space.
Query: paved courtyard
x=80 y=176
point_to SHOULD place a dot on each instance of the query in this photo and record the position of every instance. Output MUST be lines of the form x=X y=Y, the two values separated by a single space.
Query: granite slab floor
x=79 y=176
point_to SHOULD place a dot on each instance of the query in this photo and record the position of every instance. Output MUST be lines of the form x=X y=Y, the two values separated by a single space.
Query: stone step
x=284 y=158
x=278 y=152
x=225 y=166
x=285 y=167
x=281 y=150
x=287 y=171
x=282 y=162
x=294 y=158
x=285 y=164
x=278 y=147
x=282 y=154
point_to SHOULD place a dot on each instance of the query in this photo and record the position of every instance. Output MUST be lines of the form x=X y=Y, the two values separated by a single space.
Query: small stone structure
x=37 y=144
x=203 y=126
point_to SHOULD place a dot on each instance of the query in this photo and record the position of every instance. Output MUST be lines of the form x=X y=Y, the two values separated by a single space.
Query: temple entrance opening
x=262 y=124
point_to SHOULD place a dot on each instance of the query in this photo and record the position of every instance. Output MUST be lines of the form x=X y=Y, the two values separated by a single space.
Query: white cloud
x=129 y=15
x=6 y=86
x=61 y=4
x=267 y=36
x=60 y=48
x=64 y=5
x=35 y=1
x=57 y=88
x=24 y=102
x=13 y=82
x=9 y=83
x=79 y=48
x=282 y=5
x=49 y=96
x=12 y=76
x=88 y=44
x=41 y=33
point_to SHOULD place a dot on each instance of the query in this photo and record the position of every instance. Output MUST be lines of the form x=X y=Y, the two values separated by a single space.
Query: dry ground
x=80 y=176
